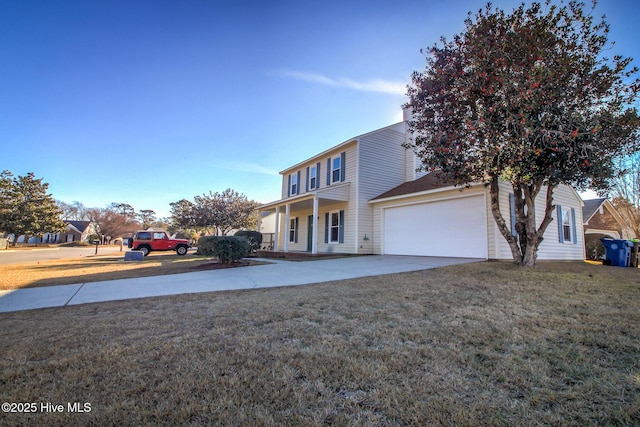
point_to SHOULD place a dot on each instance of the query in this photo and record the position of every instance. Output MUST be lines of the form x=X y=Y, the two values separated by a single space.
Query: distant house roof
x=591 y=207
x=430 y=181
x=79 y=225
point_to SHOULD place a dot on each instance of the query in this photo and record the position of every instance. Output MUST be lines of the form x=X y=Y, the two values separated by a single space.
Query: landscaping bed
x=217 y=265
x=301 y=256
x=474 y=344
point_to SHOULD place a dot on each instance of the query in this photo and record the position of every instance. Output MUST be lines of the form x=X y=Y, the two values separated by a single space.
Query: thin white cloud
x=247 y=167
x=375 y=85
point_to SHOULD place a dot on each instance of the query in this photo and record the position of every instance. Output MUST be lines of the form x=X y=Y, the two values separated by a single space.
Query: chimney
x=407 y=113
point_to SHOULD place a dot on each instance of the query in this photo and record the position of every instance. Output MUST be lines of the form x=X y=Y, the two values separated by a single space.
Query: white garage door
x=452 y=228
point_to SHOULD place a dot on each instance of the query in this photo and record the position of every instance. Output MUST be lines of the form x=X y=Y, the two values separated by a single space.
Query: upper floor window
x=336 y=168
x=313 y=177
x=294 y=183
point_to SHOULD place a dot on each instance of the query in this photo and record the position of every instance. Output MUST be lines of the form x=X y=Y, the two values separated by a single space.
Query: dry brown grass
x=477 y=344
x=95 y=269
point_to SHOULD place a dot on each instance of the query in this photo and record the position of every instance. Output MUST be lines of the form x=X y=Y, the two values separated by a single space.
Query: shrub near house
x=226 y=248
x=254 y=238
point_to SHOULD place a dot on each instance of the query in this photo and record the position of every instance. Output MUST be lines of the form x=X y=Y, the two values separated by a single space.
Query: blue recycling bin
x=618 y=252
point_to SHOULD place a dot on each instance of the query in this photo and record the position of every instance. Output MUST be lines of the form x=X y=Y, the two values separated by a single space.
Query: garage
x=451 y=228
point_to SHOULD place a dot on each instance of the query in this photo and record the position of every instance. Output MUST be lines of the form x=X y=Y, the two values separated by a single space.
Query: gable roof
x=340 y=146
x=430 y=181
x=591 y=207
x=79 y=225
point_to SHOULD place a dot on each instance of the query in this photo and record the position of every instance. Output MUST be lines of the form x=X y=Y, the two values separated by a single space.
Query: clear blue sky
x=149 y=102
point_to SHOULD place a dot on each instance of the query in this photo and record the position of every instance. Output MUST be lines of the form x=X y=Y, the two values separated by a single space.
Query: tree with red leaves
x=528 y=98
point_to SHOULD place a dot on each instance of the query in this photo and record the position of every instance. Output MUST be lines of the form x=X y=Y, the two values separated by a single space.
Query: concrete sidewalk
x=278 y=273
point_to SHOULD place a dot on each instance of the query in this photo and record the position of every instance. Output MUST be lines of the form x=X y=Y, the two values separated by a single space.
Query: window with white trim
x=336 y=169
x=313 y=177
x=567 y=229
x=567 y=226
x=293 y=230
x=294 y=183
x=334 y=227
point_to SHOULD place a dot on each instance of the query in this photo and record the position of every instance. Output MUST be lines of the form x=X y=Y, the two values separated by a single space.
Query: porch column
x=276 y=235
x=287 y=219
x=314 y=240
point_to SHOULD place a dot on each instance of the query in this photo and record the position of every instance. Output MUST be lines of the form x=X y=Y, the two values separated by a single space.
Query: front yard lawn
x=477 y=344
x=97 y=268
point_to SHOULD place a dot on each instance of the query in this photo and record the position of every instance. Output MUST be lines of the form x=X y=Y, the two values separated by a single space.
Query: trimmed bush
x=254 y=238
x=206 y=244
x=227 y=249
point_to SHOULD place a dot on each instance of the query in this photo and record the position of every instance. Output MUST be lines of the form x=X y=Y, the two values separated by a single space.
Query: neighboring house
x=601 y=220
x=600 y=217
x=75 y=231
x=364 y=196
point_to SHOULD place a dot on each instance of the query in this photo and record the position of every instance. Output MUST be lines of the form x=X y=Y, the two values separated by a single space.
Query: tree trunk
x=530 y=255
x=502 y=226
x=524 y=246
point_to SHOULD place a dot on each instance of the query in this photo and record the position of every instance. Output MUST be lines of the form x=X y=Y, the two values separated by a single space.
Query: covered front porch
x=300 y=220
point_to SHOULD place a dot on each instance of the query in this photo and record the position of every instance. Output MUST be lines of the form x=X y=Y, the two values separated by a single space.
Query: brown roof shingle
x=431 y=181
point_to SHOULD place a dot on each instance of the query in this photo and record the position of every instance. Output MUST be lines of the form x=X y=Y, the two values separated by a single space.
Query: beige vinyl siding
x=350 y=210
x=285 y=180
x=382 y=167
x=409 y=165
x=551 y=248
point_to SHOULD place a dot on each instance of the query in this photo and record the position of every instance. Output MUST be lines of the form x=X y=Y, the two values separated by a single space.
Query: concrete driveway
x=278 y=273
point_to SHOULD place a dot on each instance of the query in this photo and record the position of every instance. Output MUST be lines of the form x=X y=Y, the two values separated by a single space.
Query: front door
x=310 y=233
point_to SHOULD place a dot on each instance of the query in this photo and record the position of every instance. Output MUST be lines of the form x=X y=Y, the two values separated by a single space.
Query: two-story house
x=364 y=196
